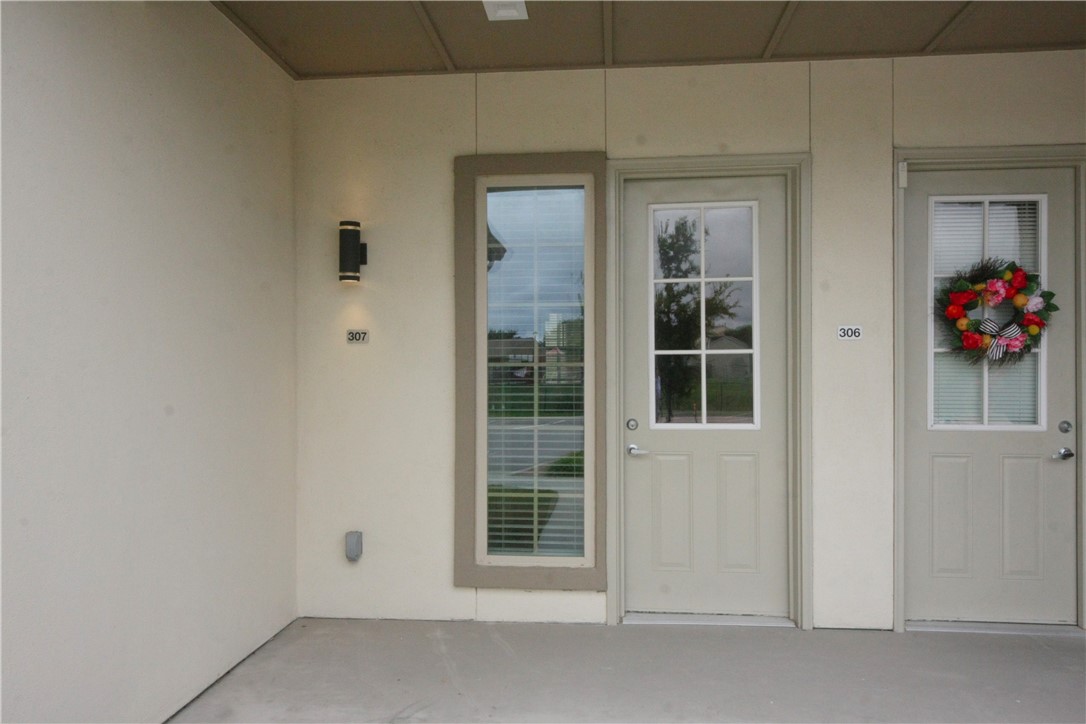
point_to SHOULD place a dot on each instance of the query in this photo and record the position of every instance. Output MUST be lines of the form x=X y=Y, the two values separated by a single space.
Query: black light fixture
x=352 y=252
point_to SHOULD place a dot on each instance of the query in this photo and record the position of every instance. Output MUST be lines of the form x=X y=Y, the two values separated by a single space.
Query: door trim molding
x=796 y=168
x=968 y=159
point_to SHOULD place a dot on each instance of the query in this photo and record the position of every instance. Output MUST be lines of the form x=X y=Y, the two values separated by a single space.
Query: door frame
x=908 y=160
x=796 y=170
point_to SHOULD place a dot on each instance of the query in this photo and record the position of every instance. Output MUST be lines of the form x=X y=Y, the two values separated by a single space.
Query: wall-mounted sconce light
x=352 y=252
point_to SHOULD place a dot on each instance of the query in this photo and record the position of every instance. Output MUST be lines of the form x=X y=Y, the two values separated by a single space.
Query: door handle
x=633 y=450
x=1064 y=453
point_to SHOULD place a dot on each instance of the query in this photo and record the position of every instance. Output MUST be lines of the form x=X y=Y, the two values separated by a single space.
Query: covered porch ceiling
x=402 y=37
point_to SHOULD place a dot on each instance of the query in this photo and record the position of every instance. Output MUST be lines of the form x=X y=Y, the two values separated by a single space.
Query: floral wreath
x=991 y=282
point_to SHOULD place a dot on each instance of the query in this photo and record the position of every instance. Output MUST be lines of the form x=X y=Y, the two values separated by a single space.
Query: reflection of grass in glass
x=514 y=399
x=722 y=396
x=683 y=406
x=568 y=466
x=730 y=397
x=516 y=518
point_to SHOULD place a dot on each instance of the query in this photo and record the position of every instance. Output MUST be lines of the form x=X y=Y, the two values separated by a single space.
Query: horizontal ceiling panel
x=342 y=38
x=1018 y=25
x=690 y=32
x=555 y=35
x=847 y=29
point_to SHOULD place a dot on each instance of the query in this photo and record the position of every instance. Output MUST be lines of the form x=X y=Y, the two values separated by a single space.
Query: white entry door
x=704 y=400
x=990 y=503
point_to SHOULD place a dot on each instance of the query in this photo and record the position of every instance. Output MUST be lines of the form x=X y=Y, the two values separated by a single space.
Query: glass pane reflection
x=678 y=316
x=677 y=243
x=535 y=436
x=729 y=315
x=729 y=242
x=678 y=388
x=729 y=388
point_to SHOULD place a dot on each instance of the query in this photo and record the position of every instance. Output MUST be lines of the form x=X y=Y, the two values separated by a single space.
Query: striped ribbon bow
x=1000 y=335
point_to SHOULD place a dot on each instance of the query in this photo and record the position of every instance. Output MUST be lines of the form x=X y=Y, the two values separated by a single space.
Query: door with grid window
x=990 y=501
x=704 y=396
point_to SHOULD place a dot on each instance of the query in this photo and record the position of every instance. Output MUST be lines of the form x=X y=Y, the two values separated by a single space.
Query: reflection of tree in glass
x=678 y=311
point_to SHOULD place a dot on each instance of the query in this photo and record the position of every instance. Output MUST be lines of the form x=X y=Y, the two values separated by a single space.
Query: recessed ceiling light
x=505 y=9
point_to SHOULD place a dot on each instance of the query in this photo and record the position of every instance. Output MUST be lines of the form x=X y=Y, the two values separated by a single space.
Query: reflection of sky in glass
x=729 y=234
x=542 y=232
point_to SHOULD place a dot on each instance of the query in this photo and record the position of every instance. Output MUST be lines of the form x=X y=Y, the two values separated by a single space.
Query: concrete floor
x=400 y=671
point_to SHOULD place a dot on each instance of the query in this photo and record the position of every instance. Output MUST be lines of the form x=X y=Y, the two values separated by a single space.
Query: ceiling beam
x=435 y=39
x=608 y=33
x=782 y=27
x=949 y=27
x=257 y=40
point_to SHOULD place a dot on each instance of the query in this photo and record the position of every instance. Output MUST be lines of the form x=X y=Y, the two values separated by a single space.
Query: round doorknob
x=1064 y=453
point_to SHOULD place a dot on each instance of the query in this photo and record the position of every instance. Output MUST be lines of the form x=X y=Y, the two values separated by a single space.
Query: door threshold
x=707 y=619
x=1012 y=629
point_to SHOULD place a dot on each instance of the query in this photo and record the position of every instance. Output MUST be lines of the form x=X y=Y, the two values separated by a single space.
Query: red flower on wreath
x=962 y=298
x=955 y=311
x=971 y=340
x=1031 y=319
x=1018 y=279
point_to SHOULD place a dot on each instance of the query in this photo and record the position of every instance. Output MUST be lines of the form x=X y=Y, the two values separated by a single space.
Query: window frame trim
x=540 y=573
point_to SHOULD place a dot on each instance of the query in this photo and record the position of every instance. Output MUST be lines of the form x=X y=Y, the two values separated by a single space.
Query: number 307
x=358 y=336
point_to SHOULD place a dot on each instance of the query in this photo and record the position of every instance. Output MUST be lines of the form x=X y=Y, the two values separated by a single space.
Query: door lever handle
x=634 y=450
x=1064 y=453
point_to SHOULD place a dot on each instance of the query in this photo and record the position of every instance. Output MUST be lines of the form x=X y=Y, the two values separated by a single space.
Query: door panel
x=704 y=370
x=990 y=515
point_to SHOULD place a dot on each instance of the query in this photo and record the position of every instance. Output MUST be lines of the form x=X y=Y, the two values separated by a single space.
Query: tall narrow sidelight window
x=529 y=261
x=532 y=447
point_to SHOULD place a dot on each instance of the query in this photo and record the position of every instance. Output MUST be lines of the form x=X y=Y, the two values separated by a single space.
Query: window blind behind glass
x=963 y=233
x=535 y=381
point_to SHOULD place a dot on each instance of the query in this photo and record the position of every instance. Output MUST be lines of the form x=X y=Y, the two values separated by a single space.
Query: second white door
x=705 y=395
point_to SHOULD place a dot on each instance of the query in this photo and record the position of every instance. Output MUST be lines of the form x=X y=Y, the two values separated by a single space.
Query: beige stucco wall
x=375 y=421
x=990 y=100
x=852 y=381
x=148 y=351
x=375 y=436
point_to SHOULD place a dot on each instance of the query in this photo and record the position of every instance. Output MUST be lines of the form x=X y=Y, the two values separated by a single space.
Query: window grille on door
x=965 y=230
x=704 y=315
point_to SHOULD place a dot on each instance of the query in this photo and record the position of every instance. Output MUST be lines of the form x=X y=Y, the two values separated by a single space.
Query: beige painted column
x=853 y=383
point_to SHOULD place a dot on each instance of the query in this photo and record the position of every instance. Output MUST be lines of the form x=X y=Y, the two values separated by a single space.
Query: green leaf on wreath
x=1047 y=296
x=961 y=285
x=1051 y=307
